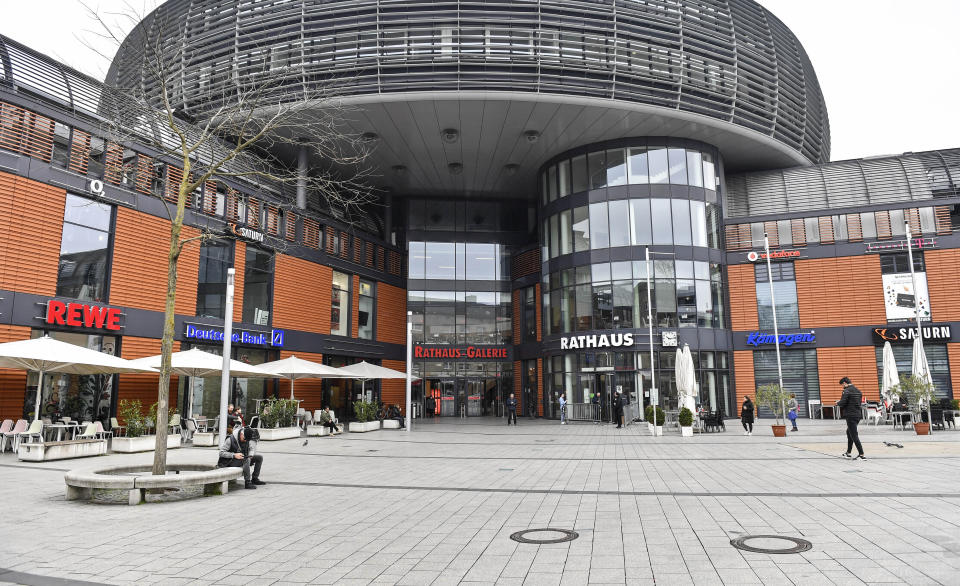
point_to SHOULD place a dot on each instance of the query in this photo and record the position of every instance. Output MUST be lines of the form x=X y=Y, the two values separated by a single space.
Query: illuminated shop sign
x=754 y=256
x=918 y=244
x=454 y=352
x=906 y=335
x=82 y=315
x=273 y=338
x=246 y=233
x=596 y=341
x=763 y=338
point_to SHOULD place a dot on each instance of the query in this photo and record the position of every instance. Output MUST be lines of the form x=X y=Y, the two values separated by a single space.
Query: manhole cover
x=545 y=536
x=770 y=544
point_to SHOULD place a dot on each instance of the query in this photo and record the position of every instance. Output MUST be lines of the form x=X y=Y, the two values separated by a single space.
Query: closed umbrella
x=920 y=367
x=294 y=368
x=890 y=376
x=689 y=381
x=48 y=355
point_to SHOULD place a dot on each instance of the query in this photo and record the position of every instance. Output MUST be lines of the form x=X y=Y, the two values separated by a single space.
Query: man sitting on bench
x=234 y=453
x=326 y=420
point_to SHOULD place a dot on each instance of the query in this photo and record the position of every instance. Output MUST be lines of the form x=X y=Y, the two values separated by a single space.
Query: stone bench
x=319 y=430
x=391 y=424
x=46 y=451
x=82 y=483
x=205 y=438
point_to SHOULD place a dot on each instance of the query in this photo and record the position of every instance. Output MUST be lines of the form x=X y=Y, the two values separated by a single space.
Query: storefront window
x=80 y=397
x=529 y=314
x=936 y=358
x=785 y=294
x=367 y=310
x=258 y=287
x=640 y=222
x=800 y=374
x=662 y=222
x=84 y=250
x=340 y=305
x=215 y=258
x=599 y=228
x=581 y=229
x=619 y=222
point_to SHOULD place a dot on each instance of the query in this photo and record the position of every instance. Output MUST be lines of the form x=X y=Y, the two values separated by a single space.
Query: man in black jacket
x=234 y=453
x=511 y=409
x=849 y=404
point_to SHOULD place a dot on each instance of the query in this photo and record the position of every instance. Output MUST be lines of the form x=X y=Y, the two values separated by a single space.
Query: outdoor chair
x=874 y=414
x=6 y=426
x=34 y=431
x=174 y=424
x=101 y=432
x=307 y=419
x=89 y=432
x=116 y=429
x=11 y=436
x=936 y=417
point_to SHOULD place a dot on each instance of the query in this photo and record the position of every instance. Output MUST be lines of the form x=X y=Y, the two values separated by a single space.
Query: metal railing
x=583 y=412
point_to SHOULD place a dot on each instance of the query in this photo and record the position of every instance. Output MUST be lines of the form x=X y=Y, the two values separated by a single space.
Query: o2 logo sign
x=95 y=187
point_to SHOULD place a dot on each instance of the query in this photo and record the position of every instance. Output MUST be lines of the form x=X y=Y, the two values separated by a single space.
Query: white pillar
x=409 y=420
x=776 y=330
x=225 y=372
x=654 y=398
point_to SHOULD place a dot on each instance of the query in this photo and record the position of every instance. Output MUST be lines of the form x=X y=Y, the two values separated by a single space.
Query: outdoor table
x=672 y=418
x=834 y=412
x=900 y=418
x=59 y=427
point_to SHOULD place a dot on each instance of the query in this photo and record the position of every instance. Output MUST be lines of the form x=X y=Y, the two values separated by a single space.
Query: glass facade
x=785 y=293
x=201 y=395
x=800 y=375
x=367 y=310
x=340 y=305
x=85 y=250
x=936 y=357
x=78 y=396
x=258 y=287
x=215 y=258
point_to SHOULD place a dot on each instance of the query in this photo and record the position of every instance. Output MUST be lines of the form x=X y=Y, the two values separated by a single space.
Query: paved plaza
x=438 y=506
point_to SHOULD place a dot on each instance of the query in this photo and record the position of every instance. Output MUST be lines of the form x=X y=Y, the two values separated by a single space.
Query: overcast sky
x=888 y=68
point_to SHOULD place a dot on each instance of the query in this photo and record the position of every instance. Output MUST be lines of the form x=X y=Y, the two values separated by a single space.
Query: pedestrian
x=563 y=409
x=234 y=453
x=512 y=409
x=595 y=399
x=792 y=408
x=849 y=405
x=327 y=420
x=746 y=416
x=618 y=409
x=397 y=415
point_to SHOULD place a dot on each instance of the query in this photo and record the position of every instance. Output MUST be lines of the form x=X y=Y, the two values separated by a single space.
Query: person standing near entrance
x=849 y=404
x=793 y=409
x=618 y=409
x=563 y=409
x=512 y=409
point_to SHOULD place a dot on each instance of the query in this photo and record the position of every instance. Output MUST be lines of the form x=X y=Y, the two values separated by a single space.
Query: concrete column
x=302 y=164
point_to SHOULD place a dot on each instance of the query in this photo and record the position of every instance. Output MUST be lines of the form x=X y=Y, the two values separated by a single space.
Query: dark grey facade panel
x=731 y=60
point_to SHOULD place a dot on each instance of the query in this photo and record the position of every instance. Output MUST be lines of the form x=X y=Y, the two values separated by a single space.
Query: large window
x=367 y=310
x=215 y=258
x=936 y=358
x=258 y=287
x=785 y=295
x=78 y=396
x=340 y=305
x=800 y=374
x=529 y=314
x=84 y=250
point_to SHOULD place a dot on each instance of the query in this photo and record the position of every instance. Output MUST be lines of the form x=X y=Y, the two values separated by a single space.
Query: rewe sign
x=82 y=315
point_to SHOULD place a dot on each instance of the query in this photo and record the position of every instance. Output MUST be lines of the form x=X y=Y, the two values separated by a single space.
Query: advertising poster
x=899 y=296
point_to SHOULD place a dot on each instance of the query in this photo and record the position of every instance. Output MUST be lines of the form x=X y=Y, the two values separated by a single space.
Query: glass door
x=473 y=396
x=447 y=398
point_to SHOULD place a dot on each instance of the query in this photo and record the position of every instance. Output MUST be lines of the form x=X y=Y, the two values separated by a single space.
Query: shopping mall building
x=527 y=156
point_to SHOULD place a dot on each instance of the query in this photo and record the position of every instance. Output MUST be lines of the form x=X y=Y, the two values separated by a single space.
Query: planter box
x=686 y=431
x=278 y=433
x=144 y=443
x=779 y=430
x=357 y=427
x=922 y=428
x=43 y=452
x=318 y=430
x=205 y=439
x=391 y=424
x=650 y=428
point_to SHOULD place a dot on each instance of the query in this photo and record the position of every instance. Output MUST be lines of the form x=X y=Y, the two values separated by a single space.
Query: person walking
x=618 y=409
x=563 y=409
x=793 y=410
x=849 y=405
x=512 y=409
x=746 y=416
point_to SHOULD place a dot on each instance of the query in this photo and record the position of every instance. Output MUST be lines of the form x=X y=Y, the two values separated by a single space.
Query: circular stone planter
x=82 y=483
x=771 y=544
x=545 y=535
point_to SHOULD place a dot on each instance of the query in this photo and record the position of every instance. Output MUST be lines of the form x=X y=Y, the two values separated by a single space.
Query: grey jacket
x=228 y=450
x=792 y=403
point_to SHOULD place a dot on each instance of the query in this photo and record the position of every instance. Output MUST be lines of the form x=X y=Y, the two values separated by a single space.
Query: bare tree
x=253 y=130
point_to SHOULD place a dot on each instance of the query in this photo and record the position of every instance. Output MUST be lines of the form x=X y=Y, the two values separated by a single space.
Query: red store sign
x=454 y=352
x=82 y=315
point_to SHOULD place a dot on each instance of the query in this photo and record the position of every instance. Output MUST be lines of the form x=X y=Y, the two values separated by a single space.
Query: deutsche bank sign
x=759 y=338
x=273 y=338
x=596 y=341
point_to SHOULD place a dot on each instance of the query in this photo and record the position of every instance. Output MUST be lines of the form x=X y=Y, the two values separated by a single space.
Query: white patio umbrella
x=891 y=377
x=47 y=355
x=686 y=379
x=920 y=367
x=294 y=368
x=365 y=371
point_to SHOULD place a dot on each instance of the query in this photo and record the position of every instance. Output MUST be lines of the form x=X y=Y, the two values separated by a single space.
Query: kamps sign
x=765 y=338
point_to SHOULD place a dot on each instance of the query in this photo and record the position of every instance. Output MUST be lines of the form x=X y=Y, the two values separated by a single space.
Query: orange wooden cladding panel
x=30 y=246
x=953 y=357
x=299 y=287
x=354 y=307
x=391 y=314
x=139 y=275
x=857 y=362
x=539 y=303
x=743 y=297
x=309 y=390
x=240 y=263
x=517 y=309
x=540 y=387
x=517 y=385
x=745 y=381
x=13 y=382
x=942 y=266
x=525 y=263
x=143 y=387
x=394 y=391
x=845 y=291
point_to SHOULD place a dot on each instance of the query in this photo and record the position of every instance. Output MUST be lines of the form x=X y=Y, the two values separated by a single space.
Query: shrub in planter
x=130 y=413
x=648 y=415
x=152 y=412
x=364 y=411
x=773 y=397
x=955 y=403
x=279 y=413
x=685 y=417
x=919 y=394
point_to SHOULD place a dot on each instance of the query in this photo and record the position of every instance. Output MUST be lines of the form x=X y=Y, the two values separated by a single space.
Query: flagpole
x=776 y=330
x=225 y=371
x=654 y=398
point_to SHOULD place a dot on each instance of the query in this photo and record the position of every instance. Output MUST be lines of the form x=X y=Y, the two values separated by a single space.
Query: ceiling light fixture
x=455 y=168
x=532 y=136
x=511 y=169
x=450 y=135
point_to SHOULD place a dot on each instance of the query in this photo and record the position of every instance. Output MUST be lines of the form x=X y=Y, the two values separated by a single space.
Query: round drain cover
x=546 y=535
x=771 y=544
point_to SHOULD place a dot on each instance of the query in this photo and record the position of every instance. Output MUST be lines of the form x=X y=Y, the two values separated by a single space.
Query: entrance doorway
x=604 y=388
